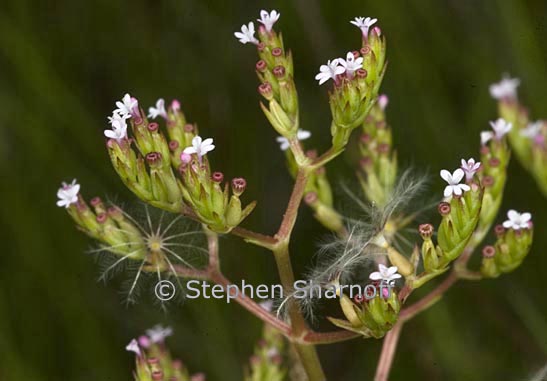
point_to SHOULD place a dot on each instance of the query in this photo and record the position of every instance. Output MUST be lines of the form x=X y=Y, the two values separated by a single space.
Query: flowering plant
x=169 y=168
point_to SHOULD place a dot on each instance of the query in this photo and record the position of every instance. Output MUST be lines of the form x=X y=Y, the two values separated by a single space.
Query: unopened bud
x=101 y=218
x=154 y=159
x=494 y=162
x=444 y=208
x=426 y=231
x=173 y=145
x=310 y=198
x=265 y=89
x=279 y=71
x=157 y=375
x=217 y=177
x=153 y=127
x=277 y=52
x=499 y=230
x=261 y=66
x=488 y=181
x=238 y=185
x=188 y=128
x=361 y=73
x=488 y=251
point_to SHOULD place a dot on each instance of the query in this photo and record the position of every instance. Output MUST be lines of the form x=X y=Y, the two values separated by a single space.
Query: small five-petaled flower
x=68 y=194
x=470 y=167
x=127 y=105
x=159 y=110
x=133 y=346
x=200 y=147
x=505 y=89
x=158 y=334
x=300 y=135
x=384 y=273
x=453 y=179
x=364 y=23
x=268 y=19
x=119 y=126
x=351 y=63
x=247 y=34
x=517 y=221
x=329 y=71
x=501 y=128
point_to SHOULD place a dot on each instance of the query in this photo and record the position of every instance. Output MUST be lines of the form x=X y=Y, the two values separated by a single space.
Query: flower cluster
x=357 y=79
x=372 y=315
x=514 y=239
x=154 y=361
x=267 y=361
x=110 y=226
x=527 y=138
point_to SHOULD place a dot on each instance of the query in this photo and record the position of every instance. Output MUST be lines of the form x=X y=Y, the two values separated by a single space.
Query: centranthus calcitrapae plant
x=168 y=164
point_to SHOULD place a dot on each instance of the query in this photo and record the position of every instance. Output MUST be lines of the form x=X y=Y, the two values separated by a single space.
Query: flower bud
x=238 y=185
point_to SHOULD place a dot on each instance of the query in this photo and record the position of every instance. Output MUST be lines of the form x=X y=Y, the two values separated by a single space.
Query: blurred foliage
x=64 y=63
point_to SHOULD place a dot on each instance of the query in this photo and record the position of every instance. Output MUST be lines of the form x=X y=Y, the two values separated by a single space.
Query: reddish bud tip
x=137 y=120
x=377 y=31
x=488 y=181
x=188 y=127
x=488 y=251
x=114 y=211
x=311 y=153
x=361 y=73
x=96 y=201
x=310 y=198
x=238 y=185
x=365 y=50
x=265 y=89
x=494 y=162
x=484 y=150
x=153 y=361
x=359 y=299
x=173 y=145
x=365 y=162
x=499 y=230
x=384 y=148
x=157 y=375
x=444 y=208
x=426 y=230
x=153 y=127
x=365 y=138
x=176 y=364
x=261 y=66
x=217 y=177
x=185 y=158
x=355 y=54
x=277 y=52
x=101 y=218
x=153 y=158
x=261 y=46
x=279 y=71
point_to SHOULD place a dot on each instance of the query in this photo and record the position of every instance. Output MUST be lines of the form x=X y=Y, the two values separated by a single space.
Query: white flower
x=486 y=136
x=330 y=70
x=470 y=167
x=532 y=130
x=501 y=128
x=268 y=19
x=199 y=147
x=351 y=63
x=119 y=126
x=158 y=334
x=385 y=273
x=300 y=135
x=126 y=106
x=383 y=101
x=247 y=34
x=68 y=194
x=364 y=23
x=453 y=180
x=159 y=110
x=133 y=346
x=505 y=89
x=517 y=220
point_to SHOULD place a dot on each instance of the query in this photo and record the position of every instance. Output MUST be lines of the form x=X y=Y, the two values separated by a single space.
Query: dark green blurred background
x=64 y=63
